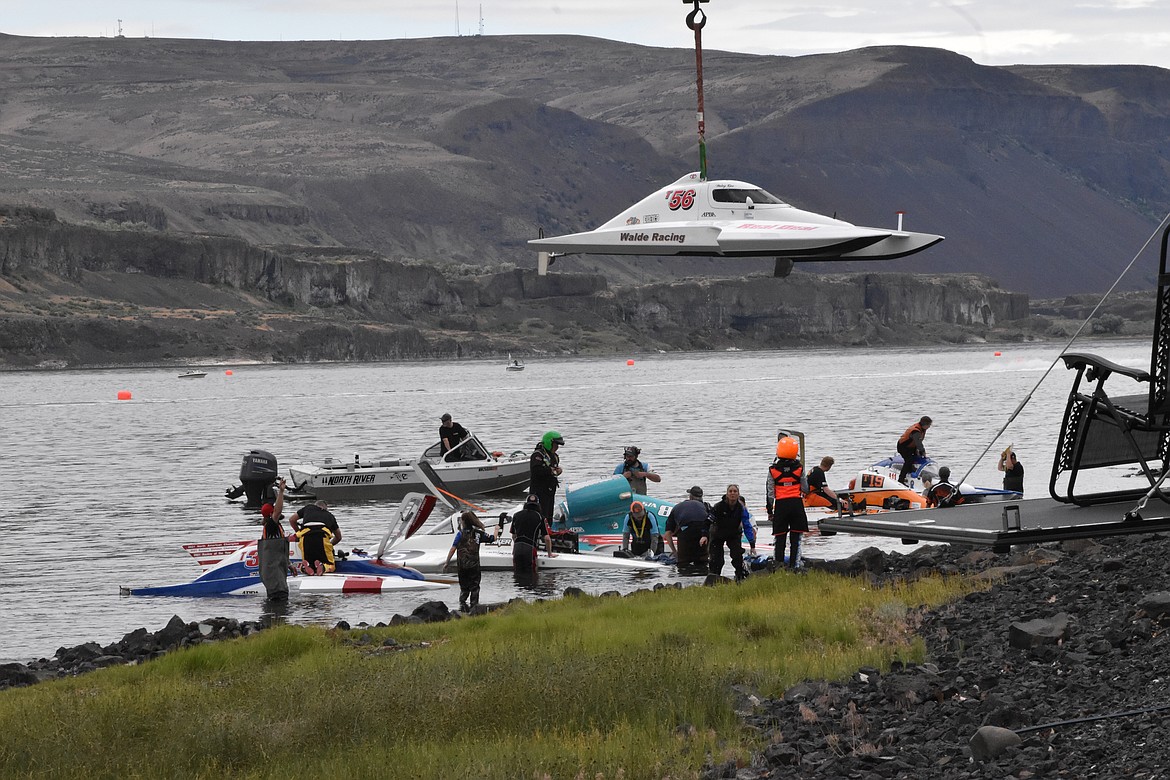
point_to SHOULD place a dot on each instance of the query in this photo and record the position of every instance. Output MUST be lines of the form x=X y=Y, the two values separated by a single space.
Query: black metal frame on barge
x=1097 y=431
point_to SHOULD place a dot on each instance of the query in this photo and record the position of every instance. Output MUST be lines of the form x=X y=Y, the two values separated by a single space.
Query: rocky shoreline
x=1058 y=669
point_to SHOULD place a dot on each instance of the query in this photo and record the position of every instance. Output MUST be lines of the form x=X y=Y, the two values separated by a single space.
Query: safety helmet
x=787 y=448
x=267 y=510
x=532 y=499
x=551 y=438
x=637 y=507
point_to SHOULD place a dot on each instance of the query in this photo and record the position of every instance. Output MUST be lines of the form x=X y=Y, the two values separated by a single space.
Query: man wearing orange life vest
x=788 y=517
x=910 y=447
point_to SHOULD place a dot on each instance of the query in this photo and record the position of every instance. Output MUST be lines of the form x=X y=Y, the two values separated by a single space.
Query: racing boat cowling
x=238 y=574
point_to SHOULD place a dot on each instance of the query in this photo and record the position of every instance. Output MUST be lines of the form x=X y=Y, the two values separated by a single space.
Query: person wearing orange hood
x=788 y=517
x=640 y=536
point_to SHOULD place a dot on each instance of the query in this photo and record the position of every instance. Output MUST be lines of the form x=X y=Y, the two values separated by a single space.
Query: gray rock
x=989 y=742
x=1042 y=631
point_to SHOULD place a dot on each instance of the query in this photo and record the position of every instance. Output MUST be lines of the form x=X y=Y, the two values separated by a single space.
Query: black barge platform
x=1000 y=524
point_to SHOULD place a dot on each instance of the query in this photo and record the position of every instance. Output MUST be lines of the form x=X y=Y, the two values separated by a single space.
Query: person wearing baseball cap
x=272 y=549
x=689 y=521
x=451 y=434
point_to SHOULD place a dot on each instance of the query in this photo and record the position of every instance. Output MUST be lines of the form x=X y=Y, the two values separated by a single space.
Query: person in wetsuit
x=317 y=533
x=818 y=482
x=688 y=522
x=544 y=472
x=911 y=448
x=529 y=530
x=944 y=494
x=730 y=522
x=788 y=517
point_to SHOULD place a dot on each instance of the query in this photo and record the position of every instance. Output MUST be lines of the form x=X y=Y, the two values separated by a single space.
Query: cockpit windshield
x=741 y=196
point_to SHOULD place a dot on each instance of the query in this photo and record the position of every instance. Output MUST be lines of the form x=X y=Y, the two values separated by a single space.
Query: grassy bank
x=634 y=687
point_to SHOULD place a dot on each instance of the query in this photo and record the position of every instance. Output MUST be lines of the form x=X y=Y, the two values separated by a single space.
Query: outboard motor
x=258 y=474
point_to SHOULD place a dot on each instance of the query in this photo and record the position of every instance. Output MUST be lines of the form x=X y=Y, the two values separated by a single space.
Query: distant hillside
x=457 y=150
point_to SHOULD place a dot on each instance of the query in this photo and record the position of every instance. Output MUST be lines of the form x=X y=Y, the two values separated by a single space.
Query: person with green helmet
x=544 y=471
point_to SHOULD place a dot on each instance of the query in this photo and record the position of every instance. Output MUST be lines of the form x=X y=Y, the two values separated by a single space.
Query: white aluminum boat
x=468 y=469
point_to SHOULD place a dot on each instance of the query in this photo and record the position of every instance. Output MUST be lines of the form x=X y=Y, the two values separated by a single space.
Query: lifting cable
x=696 y=20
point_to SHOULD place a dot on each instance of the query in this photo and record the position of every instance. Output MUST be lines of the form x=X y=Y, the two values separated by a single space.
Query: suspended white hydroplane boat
x=727 y=218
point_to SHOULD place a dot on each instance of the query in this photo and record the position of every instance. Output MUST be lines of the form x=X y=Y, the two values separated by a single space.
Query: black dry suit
x=727 y=522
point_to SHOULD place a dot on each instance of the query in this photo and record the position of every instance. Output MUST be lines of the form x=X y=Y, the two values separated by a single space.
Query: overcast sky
x=992 y=32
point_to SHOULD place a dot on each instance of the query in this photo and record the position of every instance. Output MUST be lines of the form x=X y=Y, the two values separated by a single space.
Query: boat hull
x=237 y=573
x=428 y=553
x=392 y=480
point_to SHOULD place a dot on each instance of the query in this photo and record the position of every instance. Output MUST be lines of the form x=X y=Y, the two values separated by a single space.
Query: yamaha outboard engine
x=257 y=476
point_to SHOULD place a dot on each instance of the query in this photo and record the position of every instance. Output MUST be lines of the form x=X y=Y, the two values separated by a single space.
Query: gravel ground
x=1073 y=631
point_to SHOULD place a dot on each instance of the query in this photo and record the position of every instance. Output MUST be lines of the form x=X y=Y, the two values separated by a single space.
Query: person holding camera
x=635 y=471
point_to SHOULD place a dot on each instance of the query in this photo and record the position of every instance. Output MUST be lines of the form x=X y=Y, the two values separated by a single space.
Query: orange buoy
x=630 y=362
x=228 y=372
x=124 y=395
x=997 y=354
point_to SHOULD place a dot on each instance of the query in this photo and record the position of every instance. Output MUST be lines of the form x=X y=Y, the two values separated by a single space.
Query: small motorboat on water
x=192 y=374
x=468 y=468
x=514 y=365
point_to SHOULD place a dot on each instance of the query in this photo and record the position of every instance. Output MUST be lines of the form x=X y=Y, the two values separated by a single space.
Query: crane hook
x=696 y=19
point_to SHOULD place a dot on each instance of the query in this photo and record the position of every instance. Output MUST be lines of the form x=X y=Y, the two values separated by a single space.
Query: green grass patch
x=634 y=687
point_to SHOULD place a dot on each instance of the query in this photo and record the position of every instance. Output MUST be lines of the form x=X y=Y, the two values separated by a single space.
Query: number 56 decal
x=680 y=199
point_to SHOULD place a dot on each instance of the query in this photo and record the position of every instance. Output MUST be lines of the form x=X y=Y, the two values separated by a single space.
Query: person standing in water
x=466 y=545
x=730 y=522
x=1013 y=470
x=788 y=517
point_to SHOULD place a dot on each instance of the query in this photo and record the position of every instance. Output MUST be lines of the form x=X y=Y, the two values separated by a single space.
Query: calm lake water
x=103 y=492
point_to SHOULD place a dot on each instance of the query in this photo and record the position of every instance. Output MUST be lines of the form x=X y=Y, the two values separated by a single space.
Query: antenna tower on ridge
x=481 y=18
x=120 y=35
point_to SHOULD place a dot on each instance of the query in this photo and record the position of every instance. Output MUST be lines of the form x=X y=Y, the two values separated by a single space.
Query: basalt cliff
x=82 y=295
